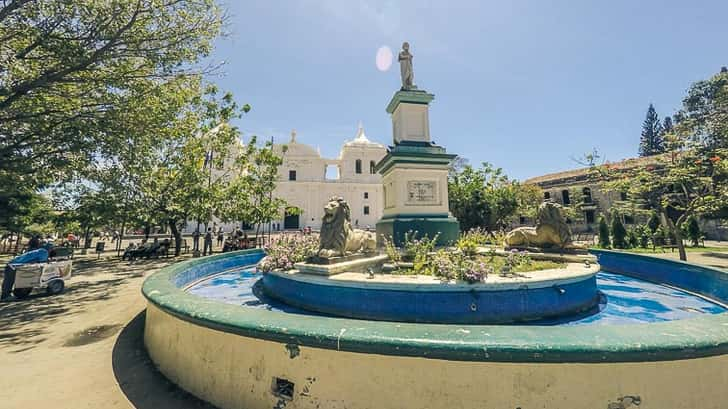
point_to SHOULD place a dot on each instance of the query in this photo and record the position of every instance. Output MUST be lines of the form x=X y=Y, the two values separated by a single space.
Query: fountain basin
x=238 y=357
x=426 y=299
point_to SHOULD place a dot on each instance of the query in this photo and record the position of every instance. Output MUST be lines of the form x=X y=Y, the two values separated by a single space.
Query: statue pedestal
x=414 y=174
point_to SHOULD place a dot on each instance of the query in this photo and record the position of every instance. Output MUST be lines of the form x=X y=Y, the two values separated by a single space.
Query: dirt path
x=83 y=348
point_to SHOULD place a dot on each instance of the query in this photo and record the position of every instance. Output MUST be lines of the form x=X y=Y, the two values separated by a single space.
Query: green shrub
x=619 y=233
x=693 y=231
x=643 y=235
x=418 y=250
x=604 y=233
x=653 y=223
x=633 y=238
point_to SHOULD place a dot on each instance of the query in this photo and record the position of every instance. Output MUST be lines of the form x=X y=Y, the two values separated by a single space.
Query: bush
x=619 y=233
x=643 y=235
x=287 y=250
x=604 y=233
x=469 y=241
x=417 y=250
x=653 y=223
x=693 y=231
x=633 y=238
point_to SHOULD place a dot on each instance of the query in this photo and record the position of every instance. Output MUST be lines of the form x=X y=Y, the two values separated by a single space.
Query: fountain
x=455 y=327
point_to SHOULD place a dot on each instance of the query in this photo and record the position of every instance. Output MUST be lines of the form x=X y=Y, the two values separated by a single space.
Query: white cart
x=49 y=276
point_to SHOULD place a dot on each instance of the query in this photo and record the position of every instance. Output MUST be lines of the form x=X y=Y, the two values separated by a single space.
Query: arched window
x=565 y=197
x=358 y=166
x=587 y=195
x=372 y=165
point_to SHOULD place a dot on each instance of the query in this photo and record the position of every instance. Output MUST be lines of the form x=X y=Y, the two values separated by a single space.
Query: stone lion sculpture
x=551 y=230
x=337 y=238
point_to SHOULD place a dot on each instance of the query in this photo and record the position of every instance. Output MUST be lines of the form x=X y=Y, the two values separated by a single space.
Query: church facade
x=306 y=181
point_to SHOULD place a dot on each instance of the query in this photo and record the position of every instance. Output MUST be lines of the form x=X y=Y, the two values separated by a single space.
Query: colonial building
x=306 y=181
x=575 y=188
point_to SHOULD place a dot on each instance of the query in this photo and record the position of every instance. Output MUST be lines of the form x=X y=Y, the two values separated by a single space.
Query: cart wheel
x=55 y=287
x=22 y=292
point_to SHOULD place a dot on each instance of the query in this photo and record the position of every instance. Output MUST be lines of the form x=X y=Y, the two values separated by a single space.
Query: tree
x=690 y=181
x=667 y=127
x=619 y=233
x=604 y=240
x=70 y=69
x=487 y=198
x=651 y=142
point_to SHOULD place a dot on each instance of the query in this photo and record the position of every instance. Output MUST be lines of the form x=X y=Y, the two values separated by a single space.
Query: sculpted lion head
x=336 y=226
x=550 y=215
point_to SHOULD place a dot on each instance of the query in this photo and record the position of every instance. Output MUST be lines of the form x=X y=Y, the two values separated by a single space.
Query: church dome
x=361 y=140
x=295 y=149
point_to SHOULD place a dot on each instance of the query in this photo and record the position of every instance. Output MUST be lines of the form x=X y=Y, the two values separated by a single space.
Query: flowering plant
x=287 y=250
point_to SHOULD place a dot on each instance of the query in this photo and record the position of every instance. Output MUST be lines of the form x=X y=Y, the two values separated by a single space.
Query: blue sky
x=525 y=85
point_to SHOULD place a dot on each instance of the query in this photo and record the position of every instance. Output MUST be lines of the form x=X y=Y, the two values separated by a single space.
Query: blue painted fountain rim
x=683 y=339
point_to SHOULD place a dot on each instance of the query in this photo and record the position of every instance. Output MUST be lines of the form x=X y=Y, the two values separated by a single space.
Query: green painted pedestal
x=446 y=227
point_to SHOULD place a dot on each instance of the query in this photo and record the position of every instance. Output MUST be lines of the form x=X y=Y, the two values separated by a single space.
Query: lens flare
x=384 y=58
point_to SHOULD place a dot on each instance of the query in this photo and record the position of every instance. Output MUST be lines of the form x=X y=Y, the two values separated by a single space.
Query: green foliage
x=644 y=234
x=287 y=250
x=619 y=233
x=417 y=250
x=487 y=198
x=469 y=241
x=692 y=179
x=392 y=251
x=654 y=222
x=651 y=141
x=74 y=72
x=693 y=231
x=604 y=240
x=633 y=237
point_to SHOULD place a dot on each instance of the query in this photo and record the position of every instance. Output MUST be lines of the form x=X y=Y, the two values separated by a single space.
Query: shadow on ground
x=24 y=322
x=139 y=379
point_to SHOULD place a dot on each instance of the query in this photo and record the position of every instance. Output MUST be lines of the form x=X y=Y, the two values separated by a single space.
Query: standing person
x=196 y=240
x=208 y=242
x=220 y=236
x=34 y=243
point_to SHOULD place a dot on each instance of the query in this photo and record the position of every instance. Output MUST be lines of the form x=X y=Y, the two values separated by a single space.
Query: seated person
x=128 y=251
x=33 y=256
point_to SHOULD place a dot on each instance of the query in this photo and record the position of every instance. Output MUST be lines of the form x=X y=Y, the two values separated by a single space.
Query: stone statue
x=405 y=68
x=551 y=230
x=337 y=238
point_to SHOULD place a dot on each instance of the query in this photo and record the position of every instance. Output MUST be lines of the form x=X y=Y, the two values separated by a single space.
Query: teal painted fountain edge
x=684 y=339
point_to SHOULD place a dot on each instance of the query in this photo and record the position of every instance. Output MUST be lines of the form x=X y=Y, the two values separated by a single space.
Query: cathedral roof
x=361 y=140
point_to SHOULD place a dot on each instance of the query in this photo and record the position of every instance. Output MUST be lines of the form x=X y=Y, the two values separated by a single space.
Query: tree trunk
x=18 y=239
x=147 y=229
x=86 y=241
x=120 y=238
x=177 y=237
x=677 y=234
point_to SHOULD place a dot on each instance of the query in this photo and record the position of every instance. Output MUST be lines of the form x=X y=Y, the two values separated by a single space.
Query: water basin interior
x=624 y=300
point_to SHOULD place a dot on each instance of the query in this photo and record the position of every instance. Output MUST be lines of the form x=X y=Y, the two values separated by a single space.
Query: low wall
x=248 y=358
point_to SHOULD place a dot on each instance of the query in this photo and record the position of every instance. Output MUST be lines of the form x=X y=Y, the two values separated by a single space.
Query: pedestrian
x=196 y=240
x=208 y=242
x=220 y=236
x=34 y=243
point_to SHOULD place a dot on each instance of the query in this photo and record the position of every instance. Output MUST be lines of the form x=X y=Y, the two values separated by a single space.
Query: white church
x=306 y=181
